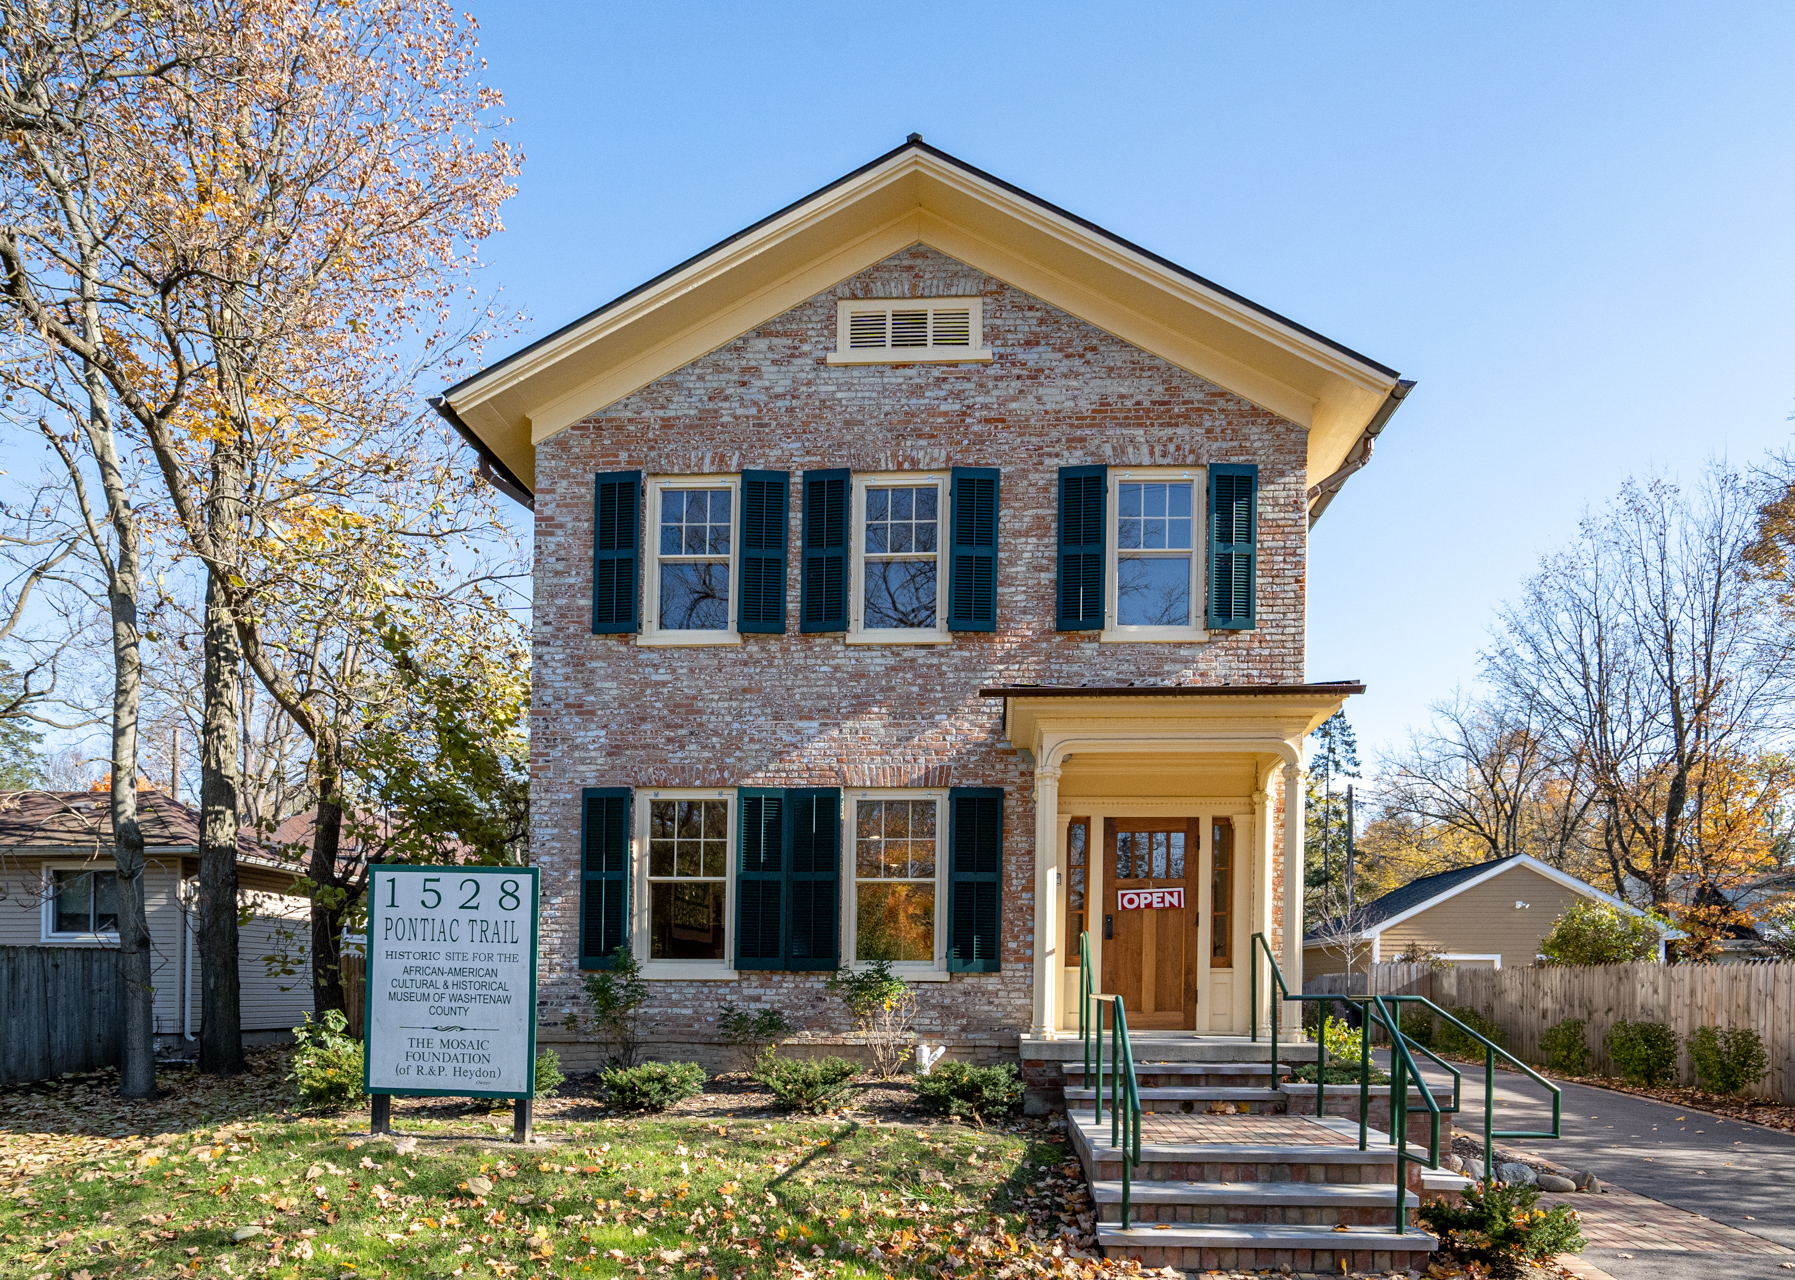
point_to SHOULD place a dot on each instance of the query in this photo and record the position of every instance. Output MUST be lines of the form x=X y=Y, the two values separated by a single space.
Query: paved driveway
x=1737 y=1178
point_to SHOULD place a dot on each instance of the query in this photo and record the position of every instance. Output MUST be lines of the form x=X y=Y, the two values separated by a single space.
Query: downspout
x=187 y=979
x=1322 y=493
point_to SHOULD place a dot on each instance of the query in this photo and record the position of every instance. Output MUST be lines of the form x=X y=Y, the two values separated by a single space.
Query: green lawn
x=225 y=1180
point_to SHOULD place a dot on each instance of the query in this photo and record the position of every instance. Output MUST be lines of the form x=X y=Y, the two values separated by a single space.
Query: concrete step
x=1285 y=1162
x=1253 y=1098
x=1211 y=1246
x=1324 y=1204
x=1166 y=1046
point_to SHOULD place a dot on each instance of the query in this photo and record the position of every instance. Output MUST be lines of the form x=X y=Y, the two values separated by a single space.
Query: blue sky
x=1570 y=223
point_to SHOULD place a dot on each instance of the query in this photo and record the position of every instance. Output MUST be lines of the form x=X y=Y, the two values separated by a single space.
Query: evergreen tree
x=21 y=742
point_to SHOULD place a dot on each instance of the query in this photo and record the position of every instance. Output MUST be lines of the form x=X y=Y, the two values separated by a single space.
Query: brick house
x=920 y=575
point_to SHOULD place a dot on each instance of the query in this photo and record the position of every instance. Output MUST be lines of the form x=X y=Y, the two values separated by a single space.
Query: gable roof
x=1411 y=899
x=914 y=194
x=82 y=821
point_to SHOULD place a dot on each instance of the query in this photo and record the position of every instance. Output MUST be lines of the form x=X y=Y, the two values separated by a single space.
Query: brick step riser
x=1179 y=1080
x=1151 y=1170
x=1292 y=1215
x=1326 y=1260
x=1200 y=1106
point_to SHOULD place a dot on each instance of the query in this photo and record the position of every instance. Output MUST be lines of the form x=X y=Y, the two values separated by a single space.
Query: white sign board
x=451 y=986
x=1149 y=899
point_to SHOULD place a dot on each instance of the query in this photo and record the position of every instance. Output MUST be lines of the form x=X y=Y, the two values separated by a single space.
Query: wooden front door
x=1150 y=951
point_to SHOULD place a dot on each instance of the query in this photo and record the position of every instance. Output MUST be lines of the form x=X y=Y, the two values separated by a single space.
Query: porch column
x=1047 y=858
x=1292 y=963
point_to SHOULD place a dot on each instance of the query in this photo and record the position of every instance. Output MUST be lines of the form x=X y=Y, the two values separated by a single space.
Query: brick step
x=1212 y=1247
x=1253 y=1203
x=1258 y=1099
x=1217 y=1074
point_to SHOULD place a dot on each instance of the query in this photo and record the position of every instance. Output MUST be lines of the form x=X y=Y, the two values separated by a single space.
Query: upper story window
x=909 y=330
x=82 y=903
x=1156 y=563
x=898 y=521
x=692 y=583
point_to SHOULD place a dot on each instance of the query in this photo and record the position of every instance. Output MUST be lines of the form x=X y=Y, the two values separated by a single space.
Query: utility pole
x=1350 y=832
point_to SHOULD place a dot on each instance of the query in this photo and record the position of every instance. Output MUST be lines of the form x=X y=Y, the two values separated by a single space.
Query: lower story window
x=1078 y=836
x=688 y=866
x=86 y=901
x=895 y=861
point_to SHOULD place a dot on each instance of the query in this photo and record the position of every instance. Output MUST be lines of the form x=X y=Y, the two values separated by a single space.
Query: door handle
x=1109 y=927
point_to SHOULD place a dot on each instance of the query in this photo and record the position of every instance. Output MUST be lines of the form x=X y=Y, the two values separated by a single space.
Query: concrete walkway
x=1732 y=1182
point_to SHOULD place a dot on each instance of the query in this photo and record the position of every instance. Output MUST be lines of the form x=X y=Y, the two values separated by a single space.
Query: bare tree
x=1649 y=652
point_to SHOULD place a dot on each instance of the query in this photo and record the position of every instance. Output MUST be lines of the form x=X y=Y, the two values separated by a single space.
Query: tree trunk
x=137 y=1070
x=221 y=1007
x=330 y=899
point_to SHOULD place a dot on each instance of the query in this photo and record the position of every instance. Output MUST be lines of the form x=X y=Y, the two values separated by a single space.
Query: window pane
x=74 y=901
x=716 y=819
x=1153 y=591
x=660 y=857
x=901 y=521
x=894 y=921
x=900 y=593
x=695 y=522
x=716 y=858
x=694 y=597
x=686 y=921
x=688 y=858
x=105 y=901
x=660 y=819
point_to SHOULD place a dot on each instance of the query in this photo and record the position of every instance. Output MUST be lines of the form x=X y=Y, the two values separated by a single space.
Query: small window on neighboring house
x=909 y=330
x=691 y=582
x=83 y=902
x=897 y=559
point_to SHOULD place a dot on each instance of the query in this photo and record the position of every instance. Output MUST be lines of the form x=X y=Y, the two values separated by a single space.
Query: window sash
x=659 y=487
x=862 y=558
x=643 y=932
x=62 y=879
x=1192 y=627
x=937 y=882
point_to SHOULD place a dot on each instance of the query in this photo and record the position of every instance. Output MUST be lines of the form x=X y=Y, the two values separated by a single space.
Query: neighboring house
x=58 y=888
x=1488 y=915
x=920 y=575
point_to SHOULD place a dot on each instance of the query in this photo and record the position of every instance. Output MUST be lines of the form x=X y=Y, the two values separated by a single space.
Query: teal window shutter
x=975 y=879
x=1084 y=492
x=972 y=552
x=813 y=824
x=760 y=879
x=604 y=874
x=823 y=587
x=764 y=533
x=1233 y=544
x=616 y=552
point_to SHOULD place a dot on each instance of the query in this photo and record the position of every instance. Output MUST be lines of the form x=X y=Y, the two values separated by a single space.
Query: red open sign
x=1149 y=899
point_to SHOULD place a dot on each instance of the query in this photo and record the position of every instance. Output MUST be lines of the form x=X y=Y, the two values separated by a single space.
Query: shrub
x=617 y=995
x=1596 y=933
x=1728 y=1061
x=1337 y=1073
x=327 y=1066
x=806 y=1084
x=883 y=1009
x=752 y=1033
x=653 y=1086
x=1499 y=1228
x=1419 y=1027
x=1566 y=1047
x=548 y=1073
x=1643 y=1052
x=978 y=1093
x=1450 y=1039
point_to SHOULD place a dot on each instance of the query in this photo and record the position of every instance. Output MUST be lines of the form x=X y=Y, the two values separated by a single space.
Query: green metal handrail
x=1387 y=1011
x=1124 y=1088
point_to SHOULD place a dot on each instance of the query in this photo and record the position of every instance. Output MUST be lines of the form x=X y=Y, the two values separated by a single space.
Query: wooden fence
x=61 y=1009
x=355 y=990
x=1525 y=1001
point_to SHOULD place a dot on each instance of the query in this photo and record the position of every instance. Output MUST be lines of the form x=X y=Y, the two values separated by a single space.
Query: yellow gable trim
x=917 y=197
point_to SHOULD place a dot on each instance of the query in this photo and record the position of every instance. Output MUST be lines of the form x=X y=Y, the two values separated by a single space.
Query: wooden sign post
x=451 y=987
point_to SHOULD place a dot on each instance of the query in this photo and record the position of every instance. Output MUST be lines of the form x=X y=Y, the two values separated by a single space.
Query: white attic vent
x=909 y=331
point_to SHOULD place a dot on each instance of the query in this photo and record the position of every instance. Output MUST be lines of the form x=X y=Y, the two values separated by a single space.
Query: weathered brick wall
x=797 y=710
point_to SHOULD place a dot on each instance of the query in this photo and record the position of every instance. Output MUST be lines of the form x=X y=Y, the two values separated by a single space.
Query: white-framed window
x=685 y=842
x=80 y=901
x=899 y=572
x=896 y=859
x=1155 y=540
x=909 y=330
x=693 y=569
